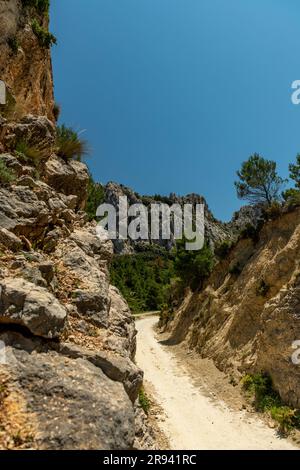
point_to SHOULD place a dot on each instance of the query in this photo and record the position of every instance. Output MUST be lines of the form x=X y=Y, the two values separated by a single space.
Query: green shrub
x=223 y=249
x=144 y=401
x=69 y=145
x=28 y=152
x=45 y=38
x=285 y=417
x=13 y=44
x=6 y=174
x=143 y=279
x=263 y=289
x=193 y=267
x=166 y=315
x=266 y=399
x=292 y=197
x=95 y=198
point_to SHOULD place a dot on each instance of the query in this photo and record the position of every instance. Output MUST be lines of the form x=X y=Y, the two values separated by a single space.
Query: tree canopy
x=259 y=181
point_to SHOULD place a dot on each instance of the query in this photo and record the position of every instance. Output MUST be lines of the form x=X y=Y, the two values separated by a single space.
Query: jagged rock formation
x=68 y=379
x=215 y=231
x=69 y=335
x=25 y=64
x=247 y=316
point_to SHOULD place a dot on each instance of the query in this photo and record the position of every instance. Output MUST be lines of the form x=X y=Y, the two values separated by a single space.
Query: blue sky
x=174 y=94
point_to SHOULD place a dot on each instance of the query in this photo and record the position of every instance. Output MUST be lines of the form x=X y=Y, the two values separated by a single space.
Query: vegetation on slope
x=152 y=280
x=95 y=198
x=259 y=387
x=143 y=279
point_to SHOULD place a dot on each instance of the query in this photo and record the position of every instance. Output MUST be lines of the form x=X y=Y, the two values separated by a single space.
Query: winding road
x=191 y=420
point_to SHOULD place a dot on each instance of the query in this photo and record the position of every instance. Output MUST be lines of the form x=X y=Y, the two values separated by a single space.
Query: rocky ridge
x=69 y=336
x=215 y=231
x=247 y=317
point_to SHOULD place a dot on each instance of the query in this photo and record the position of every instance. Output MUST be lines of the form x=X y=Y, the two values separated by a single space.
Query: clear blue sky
x=175 y=94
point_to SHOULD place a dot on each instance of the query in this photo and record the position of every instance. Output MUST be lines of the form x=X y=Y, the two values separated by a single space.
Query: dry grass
x=17 y=428
x=69 y=144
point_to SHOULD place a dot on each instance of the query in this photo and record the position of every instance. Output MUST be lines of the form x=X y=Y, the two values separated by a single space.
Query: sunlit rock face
x=9 y=14
x=25 y=63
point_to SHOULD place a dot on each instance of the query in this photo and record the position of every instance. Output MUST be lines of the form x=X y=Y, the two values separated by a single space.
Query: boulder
x=10 y=240
x=25 y=304
x=68 y=178
x=121 y=336
x=74 y=404
x=118 y=368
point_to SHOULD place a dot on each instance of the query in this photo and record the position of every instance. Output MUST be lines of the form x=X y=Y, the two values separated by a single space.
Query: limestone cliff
x=68 y=378
x=247 y=316
x=25 y=60
x=215 y=230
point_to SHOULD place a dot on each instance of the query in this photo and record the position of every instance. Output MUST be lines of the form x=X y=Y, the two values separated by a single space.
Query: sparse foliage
x=259 y=182
x=292 y=197
x=45 y=38
x=69 y=144
x=193 y=266
x=144 y=401
x=28 y=152
x=266 y=399
x=295 y=171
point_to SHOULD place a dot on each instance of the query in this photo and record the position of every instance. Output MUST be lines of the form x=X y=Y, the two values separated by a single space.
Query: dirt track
x=192 y=421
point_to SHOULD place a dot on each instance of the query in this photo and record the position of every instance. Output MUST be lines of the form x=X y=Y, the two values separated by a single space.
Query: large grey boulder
x=10 y=240
x=74 y=404
x=118 y=368
x=121 y=334
x=91 y=298
x=25 y=304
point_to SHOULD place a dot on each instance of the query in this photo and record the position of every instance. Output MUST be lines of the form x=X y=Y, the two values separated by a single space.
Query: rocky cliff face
x=215 y=231
x=69 y=336
x=68 y=378
x=25 y=61
x=247 y=316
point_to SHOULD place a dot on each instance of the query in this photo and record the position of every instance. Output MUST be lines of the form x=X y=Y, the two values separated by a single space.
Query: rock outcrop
x=247 y=316
x=69 y=336
x=25 y=63
x=68 y=378
x=215 y=231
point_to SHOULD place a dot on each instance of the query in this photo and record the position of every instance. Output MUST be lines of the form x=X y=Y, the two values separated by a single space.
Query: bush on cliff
x=292 y=197
x=69 y=144
x=266 y=399
x=28 y=152
x=45 y=38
